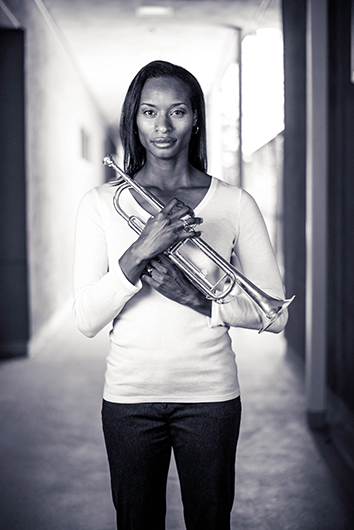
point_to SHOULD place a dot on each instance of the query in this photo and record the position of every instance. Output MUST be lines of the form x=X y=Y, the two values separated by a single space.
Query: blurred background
x=277 y=78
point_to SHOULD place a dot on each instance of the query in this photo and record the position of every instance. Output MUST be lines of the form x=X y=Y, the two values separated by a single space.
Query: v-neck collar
x=200 y=206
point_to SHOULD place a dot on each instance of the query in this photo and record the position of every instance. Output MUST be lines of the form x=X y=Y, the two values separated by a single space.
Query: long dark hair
x=134 y=152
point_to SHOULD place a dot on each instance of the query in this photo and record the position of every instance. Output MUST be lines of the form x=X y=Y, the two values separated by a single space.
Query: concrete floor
x=54 y=474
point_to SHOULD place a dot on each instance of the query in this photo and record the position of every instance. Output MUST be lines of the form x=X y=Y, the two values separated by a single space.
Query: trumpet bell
x=272 y=308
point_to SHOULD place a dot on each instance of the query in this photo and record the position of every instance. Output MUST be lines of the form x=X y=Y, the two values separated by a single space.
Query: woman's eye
x=178 y=112
x=149 y=112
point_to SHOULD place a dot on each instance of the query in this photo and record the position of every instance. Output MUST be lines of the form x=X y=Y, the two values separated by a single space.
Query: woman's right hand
x=173 y=224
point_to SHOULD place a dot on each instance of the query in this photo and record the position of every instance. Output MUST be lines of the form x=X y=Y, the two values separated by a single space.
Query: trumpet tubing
x=201 y=264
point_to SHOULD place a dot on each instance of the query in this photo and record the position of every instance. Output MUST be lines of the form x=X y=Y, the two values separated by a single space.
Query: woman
x=171 y=379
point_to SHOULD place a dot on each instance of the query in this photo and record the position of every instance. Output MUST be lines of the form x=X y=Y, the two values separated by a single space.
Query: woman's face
x=165 y=118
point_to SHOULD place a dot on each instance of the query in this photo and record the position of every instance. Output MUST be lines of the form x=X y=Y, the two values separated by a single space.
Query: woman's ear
x=195 y=118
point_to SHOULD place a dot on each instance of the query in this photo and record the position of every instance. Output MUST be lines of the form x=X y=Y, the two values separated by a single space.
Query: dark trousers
x=139 y=438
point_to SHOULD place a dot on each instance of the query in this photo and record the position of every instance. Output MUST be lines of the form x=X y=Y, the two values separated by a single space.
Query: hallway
x=54 y=474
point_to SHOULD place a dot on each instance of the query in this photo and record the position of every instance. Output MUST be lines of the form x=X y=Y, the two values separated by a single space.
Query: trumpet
x=209 y=272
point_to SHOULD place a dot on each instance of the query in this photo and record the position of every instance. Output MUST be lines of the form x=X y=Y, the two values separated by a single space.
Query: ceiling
x=110 y=43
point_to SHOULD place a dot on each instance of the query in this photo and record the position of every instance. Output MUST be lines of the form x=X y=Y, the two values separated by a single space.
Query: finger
x=148 y=269
x=182 y=211
x=154 y=263
x=162 y=265
x=190 y=233
x=195 y=220
x=190 y=222
x=172 y=204
x=156 y=270
x=177 y=209
x=145 y=277
x=162 y=258
x=148 y=278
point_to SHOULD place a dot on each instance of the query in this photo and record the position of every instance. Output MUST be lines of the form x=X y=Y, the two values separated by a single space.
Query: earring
x=196 y=129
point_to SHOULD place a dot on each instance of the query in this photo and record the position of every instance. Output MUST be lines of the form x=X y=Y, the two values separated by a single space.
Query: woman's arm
x=258 y=263
x=99 y=294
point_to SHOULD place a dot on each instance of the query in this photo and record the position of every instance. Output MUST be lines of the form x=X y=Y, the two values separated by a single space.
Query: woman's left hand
x=169 y=281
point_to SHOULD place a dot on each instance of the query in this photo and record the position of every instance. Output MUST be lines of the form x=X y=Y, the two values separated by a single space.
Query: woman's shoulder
x=226 y=191
x=222 y=184
x=233 y=191
x=100 y=192
x=96 y=200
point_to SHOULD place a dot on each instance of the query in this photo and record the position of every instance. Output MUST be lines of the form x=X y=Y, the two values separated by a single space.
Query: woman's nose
x=163 y=124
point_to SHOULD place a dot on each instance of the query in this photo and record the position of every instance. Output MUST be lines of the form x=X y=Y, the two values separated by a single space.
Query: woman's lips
x=163 y=142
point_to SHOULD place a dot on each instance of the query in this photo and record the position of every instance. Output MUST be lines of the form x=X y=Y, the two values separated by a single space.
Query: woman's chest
x=219 y=228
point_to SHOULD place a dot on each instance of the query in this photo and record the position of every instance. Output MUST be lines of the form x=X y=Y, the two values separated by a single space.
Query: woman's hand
x=173 y=224
x=169 y=281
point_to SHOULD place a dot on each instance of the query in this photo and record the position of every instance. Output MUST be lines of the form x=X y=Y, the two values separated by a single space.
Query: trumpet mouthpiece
x=107 y=161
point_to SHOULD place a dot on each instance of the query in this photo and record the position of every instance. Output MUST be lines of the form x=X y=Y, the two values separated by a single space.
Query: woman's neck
x=168 y=174
x=169 y=178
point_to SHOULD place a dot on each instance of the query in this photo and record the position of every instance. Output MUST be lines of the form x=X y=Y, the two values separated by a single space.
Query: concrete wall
x=294 y=188
x=57 y=108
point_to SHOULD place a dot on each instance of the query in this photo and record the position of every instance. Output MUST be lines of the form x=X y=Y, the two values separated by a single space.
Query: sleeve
x=99 y=293
x=257 y=262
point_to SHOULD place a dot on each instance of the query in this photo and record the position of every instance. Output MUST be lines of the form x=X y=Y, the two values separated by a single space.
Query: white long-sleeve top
x=162 y=351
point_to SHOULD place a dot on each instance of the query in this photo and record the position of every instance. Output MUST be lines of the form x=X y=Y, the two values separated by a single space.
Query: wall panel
x=294 y=183
x=13 y=238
